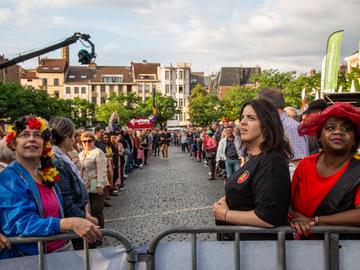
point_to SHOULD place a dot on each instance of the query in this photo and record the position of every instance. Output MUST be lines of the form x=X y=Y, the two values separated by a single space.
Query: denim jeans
x=231 y=165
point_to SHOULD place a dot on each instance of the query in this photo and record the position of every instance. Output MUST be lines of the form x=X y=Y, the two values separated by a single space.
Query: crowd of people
x=55 y=178
x=278 y=170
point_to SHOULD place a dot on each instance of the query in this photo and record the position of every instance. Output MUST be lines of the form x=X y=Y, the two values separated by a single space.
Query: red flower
x=33 y=123
x=46 y=169
x=57 y=178
x=10 y=137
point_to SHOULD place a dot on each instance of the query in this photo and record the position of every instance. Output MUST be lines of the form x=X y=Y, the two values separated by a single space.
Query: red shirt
x=308 y=188
x=51 y=208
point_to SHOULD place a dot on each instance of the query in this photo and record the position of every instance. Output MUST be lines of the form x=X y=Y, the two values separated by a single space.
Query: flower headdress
x=48 y=172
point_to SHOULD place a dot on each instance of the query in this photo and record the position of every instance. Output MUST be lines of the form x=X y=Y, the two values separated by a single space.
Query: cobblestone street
x=164 y=194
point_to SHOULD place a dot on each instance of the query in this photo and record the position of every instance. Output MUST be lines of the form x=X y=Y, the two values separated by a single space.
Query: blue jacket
x=21 y=210
x=73 y=191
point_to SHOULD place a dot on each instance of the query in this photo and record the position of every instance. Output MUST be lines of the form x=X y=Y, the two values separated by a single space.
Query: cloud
x=283 y=34
x=4 y=15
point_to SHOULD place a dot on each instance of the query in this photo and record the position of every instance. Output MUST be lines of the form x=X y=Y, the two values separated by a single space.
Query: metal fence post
x=281 y=253
x=237 y=251
x=334 y=251
x=193 y=251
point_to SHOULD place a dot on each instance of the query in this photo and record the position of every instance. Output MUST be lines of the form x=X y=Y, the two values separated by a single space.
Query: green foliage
x=17 y=101
x=234 y=98
x=204 y=107
x=124 y=105
x=291 y=84
x=345 y=79
x=130 y=106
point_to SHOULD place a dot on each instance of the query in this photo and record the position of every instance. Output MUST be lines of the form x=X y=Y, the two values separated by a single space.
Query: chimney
x=144 y=61
x=65 y=54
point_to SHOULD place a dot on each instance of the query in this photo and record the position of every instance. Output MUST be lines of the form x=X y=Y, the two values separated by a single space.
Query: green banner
x=332 y=60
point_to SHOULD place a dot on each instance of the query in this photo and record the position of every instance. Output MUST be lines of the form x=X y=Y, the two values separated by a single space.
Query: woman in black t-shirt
x=259 y=193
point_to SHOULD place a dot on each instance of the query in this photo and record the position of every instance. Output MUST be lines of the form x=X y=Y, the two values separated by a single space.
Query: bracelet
x=316 y=220
x=226 y=213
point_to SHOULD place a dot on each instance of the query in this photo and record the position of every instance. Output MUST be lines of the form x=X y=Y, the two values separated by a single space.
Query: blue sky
x=279 y=34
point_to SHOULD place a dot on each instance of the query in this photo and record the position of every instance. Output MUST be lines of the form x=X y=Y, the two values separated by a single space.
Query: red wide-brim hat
x=338 y=110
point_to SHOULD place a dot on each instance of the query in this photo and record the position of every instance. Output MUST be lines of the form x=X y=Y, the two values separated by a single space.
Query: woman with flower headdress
x=31 y=202
x=326 y=185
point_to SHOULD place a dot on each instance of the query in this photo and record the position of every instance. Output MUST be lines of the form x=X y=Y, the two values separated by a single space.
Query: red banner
x=140 y=123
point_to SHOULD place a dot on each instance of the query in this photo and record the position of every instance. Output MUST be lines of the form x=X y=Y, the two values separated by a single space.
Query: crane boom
x=53 y=47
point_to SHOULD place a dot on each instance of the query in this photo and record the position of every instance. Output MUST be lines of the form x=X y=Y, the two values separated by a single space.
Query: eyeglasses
x=26 y=135
x=87 y=141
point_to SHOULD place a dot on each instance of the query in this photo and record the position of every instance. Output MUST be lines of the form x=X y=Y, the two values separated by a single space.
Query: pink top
x=51 y=208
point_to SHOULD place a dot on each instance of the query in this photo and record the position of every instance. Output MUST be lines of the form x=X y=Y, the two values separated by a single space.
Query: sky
x=273 y=34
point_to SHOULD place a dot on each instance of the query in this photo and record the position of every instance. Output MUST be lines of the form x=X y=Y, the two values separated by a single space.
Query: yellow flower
x=47 y=178
x=43 y=124
x=11 y=129
x=357 y=156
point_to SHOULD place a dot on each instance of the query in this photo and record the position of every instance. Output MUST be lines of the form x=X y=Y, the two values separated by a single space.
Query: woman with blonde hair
x=94 y=173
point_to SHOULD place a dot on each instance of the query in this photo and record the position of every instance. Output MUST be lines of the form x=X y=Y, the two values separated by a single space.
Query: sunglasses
x=87 y=141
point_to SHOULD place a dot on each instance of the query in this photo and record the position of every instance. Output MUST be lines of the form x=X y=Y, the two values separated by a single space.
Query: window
x=76 y=90
x=56 y=94
x=93 y=99
x=154 y=88
x=112 y=78
x=102 y=100
x=181 y=103
x=56 y=82
x=140 y=88
x=102 y=88
x=111 y=88
x=181 y=75
x=68 y=90
x=83 y=90
x=128 y=88
x=83 y=76
x=181 y=117
x=180 y=89
x=120 y=88
x=44 y=82
x=167 y=75
x=29 y=80
x=71 y=76
x=147 y=88
x=167 y=89
x=93 y=88
x=173 y=75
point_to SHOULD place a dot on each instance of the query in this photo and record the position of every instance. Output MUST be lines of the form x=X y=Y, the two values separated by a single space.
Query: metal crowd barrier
x=131 y=253
x=146 y=259
x=331 y=242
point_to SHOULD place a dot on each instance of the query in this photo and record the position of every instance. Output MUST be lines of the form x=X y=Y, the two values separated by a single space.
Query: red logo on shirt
x=243 y=177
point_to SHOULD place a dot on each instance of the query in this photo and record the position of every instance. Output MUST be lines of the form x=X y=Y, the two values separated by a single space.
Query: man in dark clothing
x=156 y=143
x=99 y=139
x=165 y=140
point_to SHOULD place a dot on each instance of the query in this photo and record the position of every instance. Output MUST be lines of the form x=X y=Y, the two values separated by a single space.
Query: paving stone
x=164 y=194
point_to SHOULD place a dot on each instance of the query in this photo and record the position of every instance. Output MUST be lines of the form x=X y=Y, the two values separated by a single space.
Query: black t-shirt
x=262 y=185
x=166 y=138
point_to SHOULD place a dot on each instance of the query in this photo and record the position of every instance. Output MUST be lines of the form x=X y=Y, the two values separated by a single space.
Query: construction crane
x=84 y=56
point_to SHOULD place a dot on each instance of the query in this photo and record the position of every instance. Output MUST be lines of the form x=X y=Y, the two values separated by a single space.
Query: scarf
x=61 y=155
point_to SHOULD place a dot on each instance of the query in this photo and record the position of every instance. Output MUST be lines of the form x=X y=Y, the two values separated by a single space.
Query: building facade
x=230 y=76
x=353 y=61
x=146 y=78
x=175 y=82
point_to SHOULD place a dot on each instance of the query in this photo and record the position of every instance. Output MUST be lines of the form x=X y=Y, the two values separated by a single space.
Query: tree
x=165 y=108
x=234 y=98
x=204 y=107
x=83 y=112
x=291 y=84
x=124 y=105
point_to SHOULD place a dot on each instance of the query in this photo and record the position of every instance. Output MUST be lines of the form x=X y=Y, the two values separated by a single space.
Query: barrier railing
x=331 y=241
x=131 y=253
x=331 y=244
